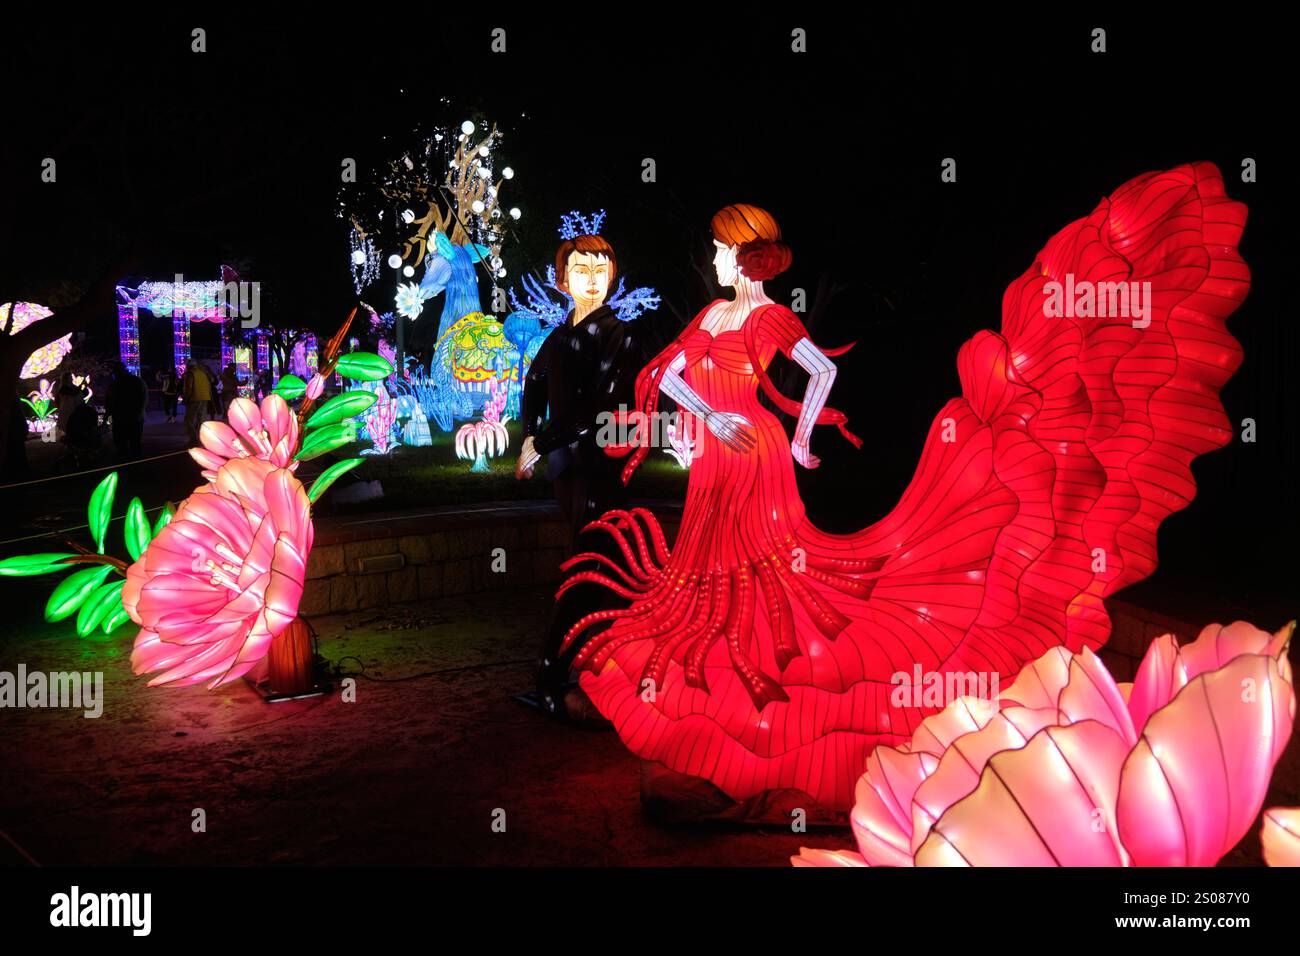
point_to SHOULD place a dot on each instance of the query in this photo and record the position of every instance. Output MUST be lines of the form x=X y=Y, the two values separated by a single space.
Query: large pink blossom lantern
x=1072 y=769
x=223 y=578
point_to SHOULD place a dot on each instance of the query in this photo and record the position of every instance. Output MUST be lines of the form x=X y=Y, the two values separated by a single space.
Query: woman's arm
x=821 y=373
x=734 y=431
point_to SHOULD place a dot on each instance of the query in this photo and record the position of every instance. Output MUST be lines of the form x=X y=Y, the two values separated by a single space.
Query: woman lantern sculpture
x=760 y=653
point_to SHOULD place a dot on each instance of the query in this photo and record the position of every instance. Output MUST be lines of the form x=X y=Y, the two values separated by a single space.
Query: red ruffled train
x=759 y=652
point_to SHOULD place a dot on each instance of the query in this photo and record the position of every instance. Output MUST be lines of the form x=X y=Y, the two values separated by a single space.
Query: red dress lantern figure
x=761 y=653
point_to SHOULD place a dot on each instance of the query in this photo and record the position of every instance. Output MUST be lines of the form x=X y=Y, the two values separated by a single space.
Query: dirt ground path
x=412 y=772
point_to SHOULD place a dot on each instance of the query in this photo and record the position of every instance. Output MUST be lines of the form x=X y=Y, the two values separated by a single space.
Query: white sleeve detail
x=676 y=388
x=821 y=371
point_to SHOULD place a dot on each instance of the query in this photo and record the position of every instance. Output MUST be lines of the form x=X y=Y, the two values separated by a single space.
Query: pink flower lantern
x=1069 y=768
x=222 y=581
x=223 y=578
x=271 y=431
x=1280 y=836
x=216 y=584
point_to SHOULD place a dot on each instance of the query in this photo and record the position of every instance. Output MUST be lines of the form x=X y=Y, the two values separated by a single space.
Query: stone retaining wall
x=366 y=563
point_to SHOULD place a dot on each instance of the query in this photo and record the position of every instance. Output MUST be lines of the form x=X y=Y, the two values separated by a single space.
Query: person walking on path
x=171 y=392
x=199 y=389
x=126 y=401
x=229 y=386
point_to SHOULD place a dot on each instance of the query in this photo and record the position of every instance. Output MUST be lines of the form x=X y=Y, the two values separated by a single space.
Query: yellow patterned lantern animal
x=477 y=350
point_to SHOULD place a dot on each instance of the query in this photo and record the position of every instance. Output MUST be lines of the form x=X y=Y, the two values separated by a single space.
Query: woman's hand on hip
x=734 y=431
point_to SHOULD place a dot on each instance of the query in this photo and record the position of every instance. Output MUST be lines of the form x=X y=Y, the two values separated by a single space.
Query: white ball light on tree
x=408 y=216
x=501 y=273
x=394 y=261
x=508 y=173
x=467 y=127
x=483 y=151
x=477 y=205
x=408 y=271
x=358 y=257
x=515 y=213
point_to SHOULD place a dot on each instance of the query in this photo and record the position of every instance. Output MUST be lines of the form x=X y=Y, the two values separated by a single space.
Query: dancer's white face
x=724 y=263
x=587 y=278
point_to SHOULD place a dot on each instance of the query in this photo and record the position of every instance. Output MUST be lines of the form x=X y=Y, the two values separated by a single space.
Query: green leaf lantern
x=164 y=518
x=26 y=565
x=100 y=510
x=138 y=533
x=364 y=367
x=102 y=602
x=290 y=387
x=340 y=407
x=326 y=439
x=329 y=476
x=73 y=591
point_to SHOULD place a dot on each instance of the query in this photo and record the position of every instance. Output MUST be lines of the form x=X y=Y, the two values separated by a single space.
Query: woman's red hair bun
x=760 y=253
x=763 y=259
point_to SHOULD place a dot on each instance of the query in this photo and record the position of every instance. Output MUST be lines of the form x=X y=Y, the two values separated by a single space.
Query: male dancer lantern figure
x=584 y=371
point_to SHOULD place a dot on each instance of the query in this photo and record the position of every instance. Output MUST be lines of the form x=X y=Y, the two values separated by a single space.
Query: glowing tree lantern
x=452 y=226
x=17 y=316
x=1064 y=769
x=488 y=438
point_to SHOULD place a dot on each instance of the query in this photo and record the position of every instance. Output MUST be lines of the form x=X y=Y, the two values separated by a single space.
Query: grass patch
x=432 y=475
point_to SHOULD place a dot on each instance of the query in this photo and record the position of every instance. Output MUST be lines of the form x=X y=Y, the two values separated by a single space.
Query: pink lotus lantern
x=269 y=430
x=1280 y=836
x=1072 y=769
x=223 y=578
